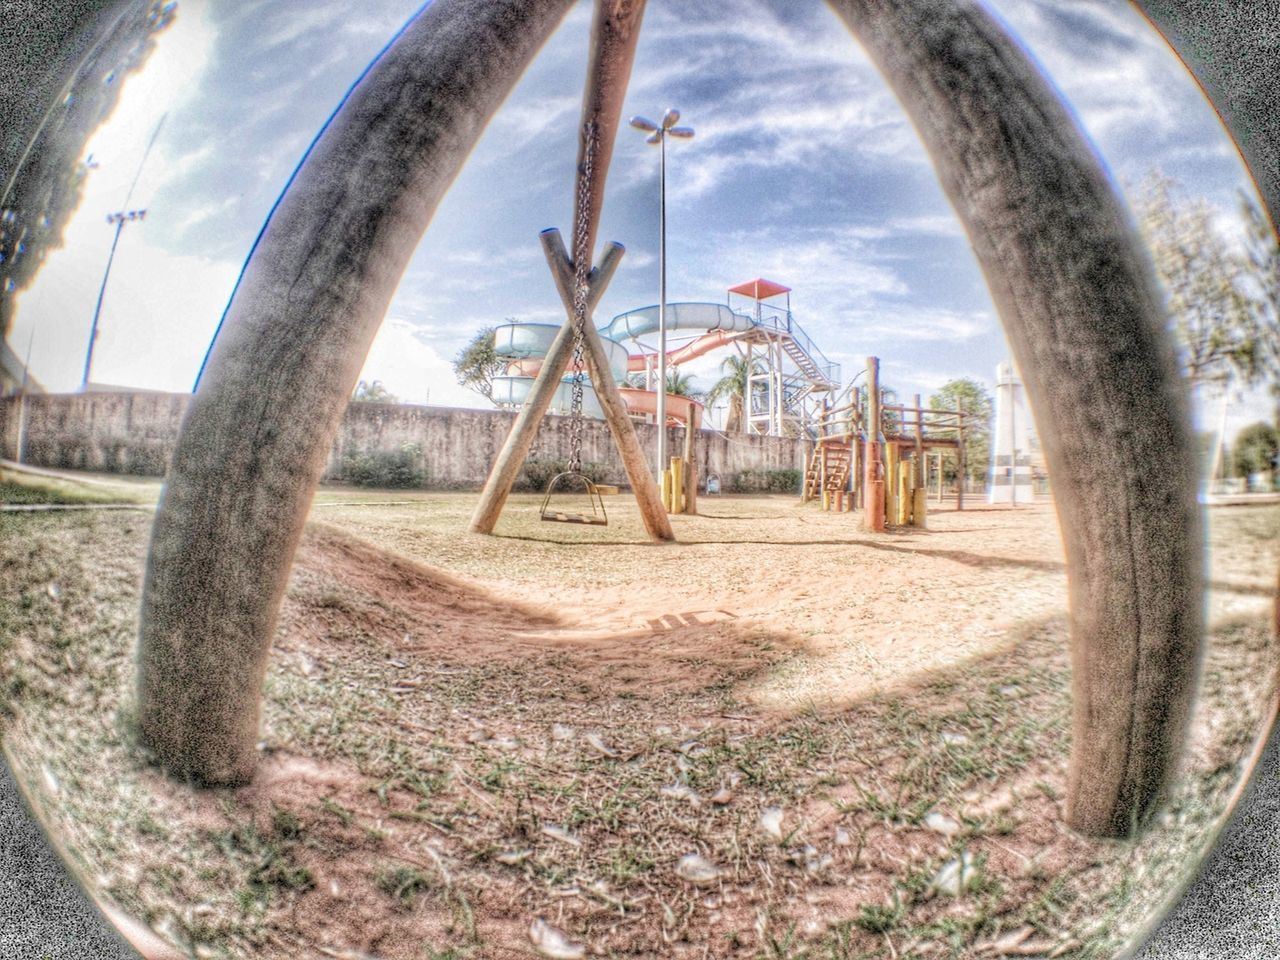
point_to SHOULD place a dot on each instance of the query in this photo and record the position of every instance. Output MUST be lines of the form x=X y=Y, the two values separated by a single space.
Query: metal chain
x=581 y=275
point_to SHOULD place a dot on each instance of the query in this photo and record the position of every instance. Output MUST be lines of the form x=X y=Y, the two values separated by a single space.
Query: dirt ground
x=782 y=737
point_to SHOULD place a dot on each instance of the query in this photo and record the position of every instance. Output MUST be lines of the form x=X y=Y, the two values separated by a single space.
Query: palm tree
x=681 y=384
x=733 y=387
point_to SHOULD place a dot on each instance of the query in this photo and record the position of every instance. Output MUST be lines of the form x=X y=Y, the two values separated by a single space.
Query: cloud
x=413 y=370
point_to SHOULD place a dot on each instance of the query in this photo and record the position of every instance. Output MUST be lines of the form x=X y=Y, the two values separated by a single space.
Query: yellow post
x=826 y=500
x=904 y=492
x=677 y=485
x=918 y=509
x=666 y=490
x=891 y=483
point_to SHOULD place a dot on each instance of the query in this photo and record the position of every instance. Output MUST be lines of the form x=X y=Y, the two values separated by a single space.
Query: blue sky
x=804 y=170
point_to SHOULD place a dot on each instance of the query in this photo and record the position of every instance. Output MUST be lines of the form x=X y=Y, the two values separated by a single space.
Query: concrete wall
x=134 y=433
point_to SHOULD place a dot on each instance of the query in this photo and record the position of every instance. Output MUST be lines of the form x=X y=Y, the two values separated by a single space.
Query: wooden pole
x=873 y=498
x=691 y=462
x=615 y=411
x=919 y=471
x=516 y=448
x=960 y=454
x=615 y=30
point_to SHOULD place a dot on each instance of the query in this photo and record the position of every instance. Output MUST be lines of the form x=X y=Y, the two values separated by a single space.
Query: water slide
x=525 y=344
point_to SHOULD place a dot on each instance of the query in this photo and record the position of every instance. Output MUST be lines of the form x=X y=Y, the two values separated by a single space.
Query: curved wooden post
x=1079 y=307
x=258 y=431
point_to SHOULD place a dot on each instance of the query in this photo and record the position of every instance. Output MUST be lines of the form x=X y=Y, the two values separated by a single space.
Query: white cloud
x=414 y=371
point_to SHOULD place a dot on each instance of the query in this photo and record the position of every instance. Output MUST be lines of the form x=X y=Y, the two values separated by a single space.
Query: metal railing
x=781 y=321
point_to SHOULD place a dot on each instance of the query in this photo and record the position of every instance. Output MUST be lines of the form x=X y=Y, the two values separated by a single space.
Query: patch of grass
x=629 y=862
x=267 y=860
x=881 y=917
x=23 y=488
x=329 y=805
x=403 y=882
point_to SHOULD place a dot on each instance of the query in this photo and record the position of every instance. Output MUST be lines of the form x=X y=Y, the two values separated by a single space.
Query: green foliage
x=398 y=470
x=373 y=393
x=680 y=384
x=402 y=882
x=975 y=400
x=1211 y=289
x=1255 y=449
x=538 y=472
x=731 y=386
x=477 y=364
x=765 y=481
x=48 y=178
x=1262 y=250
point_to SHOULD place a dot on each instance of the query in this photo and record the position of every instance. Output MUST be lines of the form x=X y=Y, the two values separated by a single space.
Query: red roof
x=759 y=289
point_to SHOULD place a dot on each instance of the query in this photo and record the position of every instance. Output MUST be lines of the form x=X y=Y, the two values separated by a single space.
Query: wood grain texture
x=1079 y=307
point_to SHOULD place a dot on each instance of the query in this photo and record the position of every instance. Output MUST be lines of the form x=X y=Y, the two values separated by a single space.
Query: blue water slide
x=680 y=316
x=513 y=391
x=531 y=341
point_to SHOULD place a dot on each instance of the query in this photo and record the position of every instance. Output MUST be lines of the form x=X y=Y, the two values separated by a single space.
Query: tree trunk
x=1079 y=307
x=1230 y=49
x=258 y=431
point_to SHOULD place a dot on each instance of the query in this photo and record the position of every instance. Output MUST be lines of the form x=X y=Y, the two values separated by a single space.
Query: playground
x=780 y=737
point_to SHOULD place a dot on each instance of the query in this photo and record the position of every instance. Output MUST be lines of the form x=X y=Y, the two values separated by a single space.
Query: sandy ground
x=862 y=611
x=471 y=741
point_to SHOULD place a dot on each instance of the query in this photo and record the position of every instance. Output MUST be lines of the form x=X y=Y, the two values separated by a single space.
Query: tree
x=1255 y=450
x=1075 y=296
x=974 y=400
x=1215 y=317
x=732 y=386
x=42 y=178
x=373 y=393
x=477 y=364
x=295 y=336
x=1262 y=253
x=681 y=384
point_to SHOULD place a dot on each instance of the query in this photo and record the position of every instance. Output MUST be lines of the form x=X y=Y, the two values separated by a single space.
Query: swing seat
x=564 y=482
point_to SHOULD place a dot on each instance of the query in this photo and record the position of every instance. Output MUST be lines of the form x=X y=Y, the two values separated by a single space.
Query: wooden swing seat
x=596 y=518
x=554 y=517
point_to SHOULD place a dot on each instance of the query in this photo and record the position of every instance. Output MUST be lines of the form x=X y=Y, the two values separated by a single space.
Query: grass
x=454 y=812
x=19 y=487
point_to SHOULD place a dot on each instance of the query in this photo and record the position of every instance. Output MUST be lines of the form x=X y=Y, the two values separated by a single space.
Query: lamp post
x=657 y=134
x=119 y=218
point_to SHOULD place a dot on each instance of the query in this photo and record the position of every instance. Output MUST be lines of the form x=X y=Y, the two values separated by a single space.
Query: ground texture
x=781 y=738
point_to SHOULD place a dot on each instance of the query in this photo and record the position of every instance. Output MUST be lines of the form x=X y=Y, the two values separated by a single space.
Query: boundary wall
x=134 y=433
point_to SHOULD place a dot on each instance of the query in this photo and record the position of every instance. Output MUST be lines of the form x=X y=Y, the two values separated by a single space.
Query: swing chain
x=581 y=286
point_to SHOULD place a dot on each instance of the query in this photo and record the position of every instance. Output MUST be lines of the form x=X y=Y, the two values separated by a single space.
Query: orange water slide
x=636 y=362
x=679 y=408
x=711 y=340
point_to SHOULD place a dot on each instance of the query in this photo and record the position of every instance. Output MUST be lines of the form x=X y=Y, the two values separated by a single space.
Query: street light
x=119 y=218
x=657 y=134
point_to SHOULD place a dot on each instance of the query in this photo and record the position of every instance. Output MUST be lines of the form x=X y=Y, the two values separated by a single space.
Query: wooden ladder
x=828 y=470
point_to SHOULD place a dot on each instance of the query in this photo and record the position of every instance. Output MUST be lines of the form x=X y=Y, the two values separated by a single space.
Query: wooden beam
x=519 y=441
x=691 y=461
x=615 y=30
x=644 y=487
x=919 y=467
x=874 y=479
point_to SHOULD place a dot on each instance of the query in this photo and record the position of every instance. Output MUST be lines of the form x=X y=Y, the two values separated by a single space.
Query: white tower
x=1011 y=451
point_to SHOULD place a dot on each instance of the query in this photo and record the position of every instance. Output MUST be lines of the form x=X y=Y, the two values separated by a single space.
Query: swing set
x=614 y=31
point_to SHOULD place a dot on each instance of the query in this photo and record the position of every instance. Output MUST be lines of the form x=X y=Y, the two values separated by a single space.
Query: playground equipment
x=891 y=443
x=789 y=377
x=597 y=517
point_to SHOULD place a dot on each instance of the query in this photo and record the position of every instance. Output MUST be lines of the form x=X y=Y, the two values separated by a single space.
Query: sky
x=803 y=170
